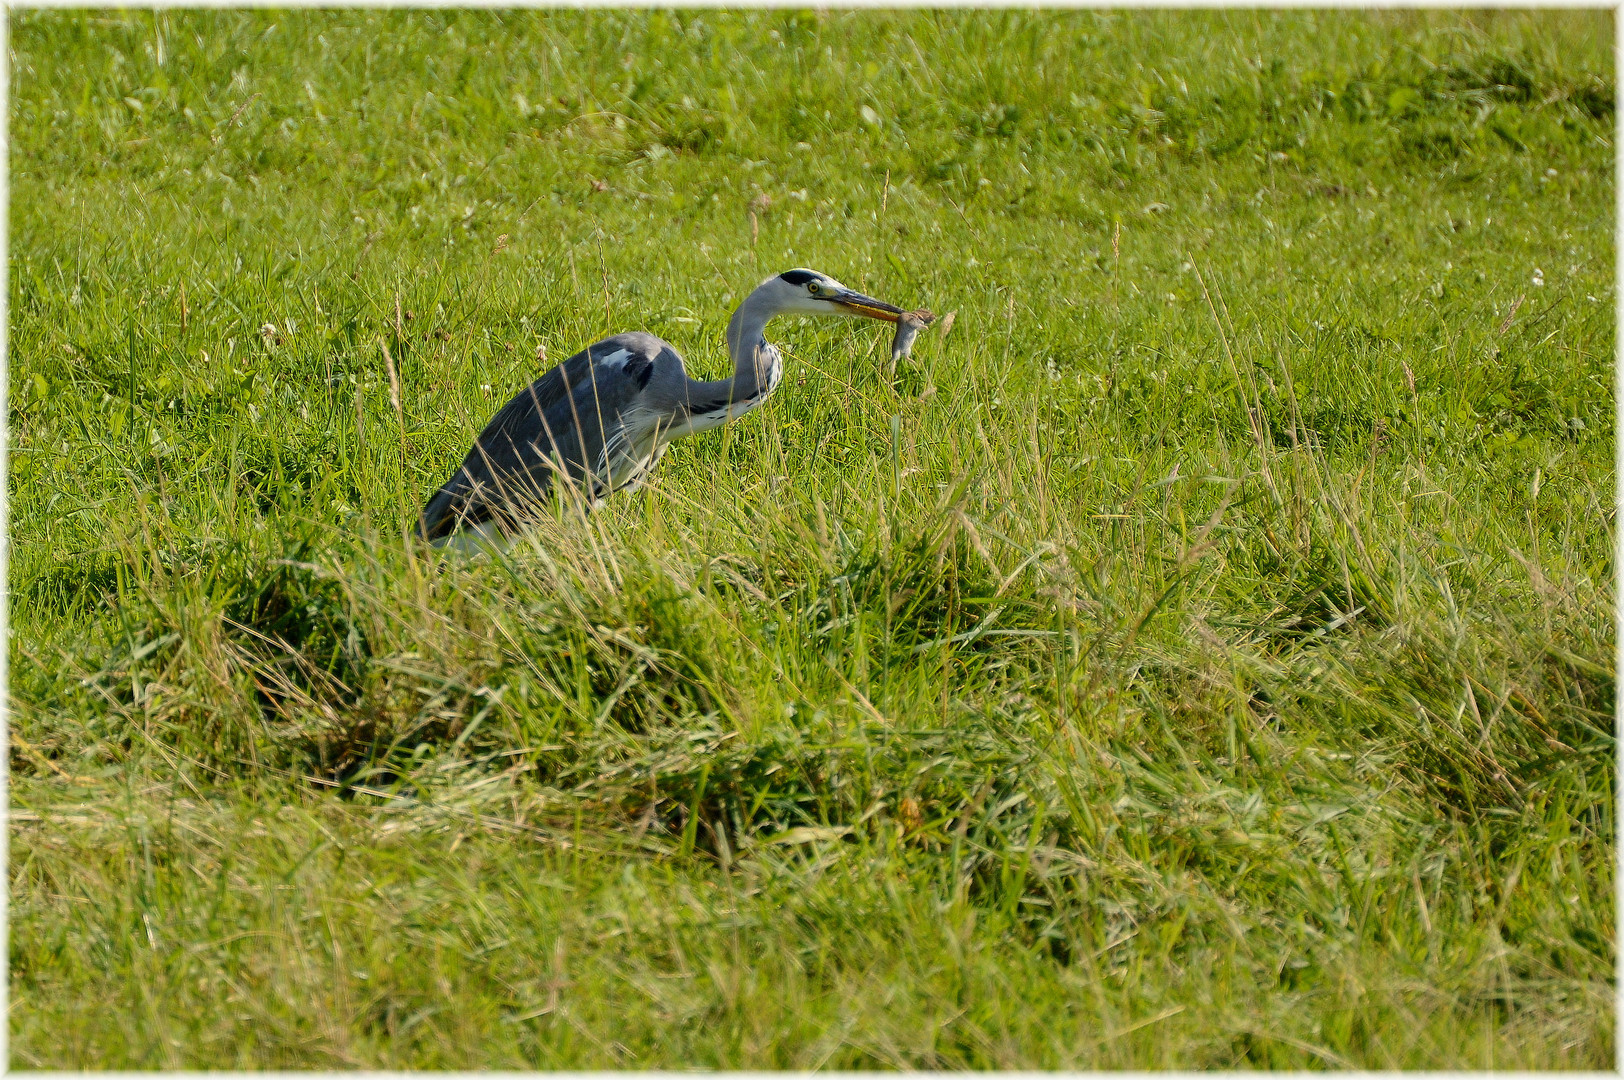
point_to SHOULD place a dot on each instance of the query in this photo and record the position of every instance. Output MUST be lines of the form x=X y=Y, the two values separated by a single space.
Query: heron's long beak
x=858 y=304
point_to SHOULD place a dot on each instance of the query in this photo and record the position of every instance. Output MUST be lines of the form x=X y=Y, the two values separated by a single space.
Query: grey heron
x=602 y=419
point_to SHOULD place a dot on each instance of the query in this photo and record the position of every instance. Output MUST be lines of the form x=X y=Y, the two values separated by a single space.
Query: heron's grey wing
x=564 y=417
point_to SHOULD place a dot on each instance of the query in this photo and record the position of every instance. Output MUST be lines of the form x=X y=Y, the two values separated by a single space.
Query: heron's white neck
x=756 y=364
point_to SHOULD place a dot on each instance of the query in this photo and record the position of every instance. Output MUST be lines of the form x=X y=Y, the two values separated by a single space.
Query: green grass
x=1203 y=656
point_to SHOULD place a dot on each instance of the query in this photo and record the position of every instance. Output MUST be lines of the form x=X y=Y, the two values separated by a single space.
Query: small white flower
x=1539 y=277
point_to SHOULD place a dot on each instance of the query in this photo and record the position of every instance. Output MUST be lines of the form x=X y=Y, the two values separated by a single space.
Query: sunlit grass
x=1202 y=656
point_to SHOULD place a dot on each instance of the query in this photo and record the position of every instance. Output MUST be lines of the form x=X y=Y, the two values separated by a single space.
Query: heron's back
x=566 y=418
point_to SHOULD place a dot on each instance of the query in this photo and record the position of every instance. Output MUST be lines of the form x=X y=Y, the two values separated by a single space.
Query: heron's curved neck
x=756 y=364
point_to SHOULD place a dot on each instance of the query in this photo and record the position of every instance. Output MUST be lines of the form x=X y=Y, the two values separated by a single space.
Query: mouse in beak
x=909 y=323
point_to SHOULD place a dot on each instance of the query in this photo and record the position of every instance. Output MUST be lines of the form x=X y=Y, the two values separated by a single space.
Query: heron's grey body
x=604 y=417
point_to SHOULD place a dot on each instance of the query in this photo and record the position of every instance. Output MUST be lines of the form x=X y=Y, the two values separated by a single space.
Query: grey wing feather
x=563 y=417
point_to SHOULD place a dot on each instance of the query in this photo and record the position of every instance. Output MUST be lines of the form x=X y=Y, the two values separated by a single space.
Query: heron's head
x=807 y=292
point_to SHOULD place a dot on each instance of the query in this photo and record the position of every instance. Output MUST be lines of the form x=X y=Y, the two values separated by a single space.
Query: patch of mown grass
x=1200 y=657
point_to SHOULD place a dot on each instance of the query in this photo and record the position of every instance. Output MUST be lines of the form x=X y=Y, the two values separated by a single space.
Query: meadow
x=1200 y=656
